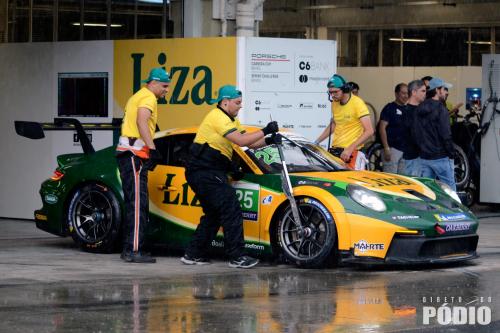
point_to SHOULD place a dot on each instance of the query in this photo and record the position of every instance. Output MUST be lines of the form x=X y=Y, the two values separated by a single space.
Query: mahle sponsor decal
x=450 y=217
x=363 y=246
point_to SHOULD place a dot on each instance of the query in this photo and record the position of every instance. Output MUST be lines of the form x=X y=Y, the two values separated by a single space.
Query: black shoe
x=188 y=260
x=243 y=262
x=137 y=257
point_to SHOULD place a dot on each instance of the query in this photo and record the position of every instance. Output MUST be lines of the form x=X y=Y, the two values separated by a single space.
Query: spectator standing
x=432 y=134
x=391 y=130
x=411 y=161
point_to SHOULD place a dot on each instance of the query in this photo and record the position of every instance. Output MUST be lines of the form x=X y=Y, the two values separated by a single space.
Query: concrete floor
x=48 y=285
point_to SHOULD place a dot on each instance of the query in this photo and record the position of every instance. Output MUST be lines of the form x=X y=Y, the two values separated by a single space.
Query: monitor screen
x=82 y=95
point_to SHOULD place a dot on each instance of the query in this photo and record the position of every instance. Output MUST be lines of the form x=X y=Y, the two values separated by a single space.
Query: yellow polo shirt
x=144 y=98
x=348 y=127
x=214 y=128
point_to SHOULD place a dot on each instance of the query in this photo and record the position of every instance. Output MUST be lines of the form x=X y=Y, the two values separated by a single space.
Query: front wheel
x=374 y=157
x=94 y=218
x=311 y=243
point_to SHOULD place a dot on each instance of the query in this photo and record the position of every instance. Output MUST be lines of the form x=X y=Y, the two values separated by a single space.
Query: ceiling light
x=97 y=25
x=414 y=40
x=478 y=42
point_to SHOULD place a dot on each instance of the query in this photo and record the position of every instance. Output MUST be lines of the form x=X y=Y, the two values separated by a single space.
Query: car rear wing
x=35 y=130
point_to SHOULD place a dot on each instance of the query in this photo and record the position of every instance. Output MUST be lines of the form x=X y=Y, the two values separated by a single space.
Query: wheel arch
x=331 y=203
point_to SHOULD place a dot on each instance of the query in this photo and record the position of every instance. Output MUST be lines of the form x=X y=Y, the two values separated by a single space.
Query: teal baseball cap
x=158 y=74
x=336 y=81
x=227 y=91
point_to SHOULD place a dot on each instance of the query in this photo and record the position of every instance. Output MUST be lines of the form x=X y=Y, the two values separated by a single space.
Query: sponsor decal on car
x=450 y=217
x=267 y=200
x=363 y=246
x=40 y=217
x=460 y=226
x=220 y=244
x=51 y=199
x=248 y=196
x=405 y=217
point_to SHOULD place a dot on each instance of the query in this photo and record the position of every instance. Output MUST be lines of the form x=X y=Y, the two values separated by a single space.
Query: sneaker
x=243 y=262
x=137 y=257
x=188 y=260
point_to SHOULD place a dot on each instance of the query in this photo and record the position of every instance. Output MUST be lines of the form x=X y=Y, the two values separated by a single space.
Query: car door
x=173 y=207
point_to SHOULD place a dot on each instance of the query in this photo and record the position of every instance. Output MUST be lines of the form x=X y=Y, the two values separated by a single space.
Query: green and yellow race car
x=339 y=215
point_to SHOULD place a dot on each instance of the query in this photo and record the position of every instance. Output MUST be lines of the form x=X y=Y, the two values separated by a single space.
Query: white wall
x=377 y=83
x=28 y=91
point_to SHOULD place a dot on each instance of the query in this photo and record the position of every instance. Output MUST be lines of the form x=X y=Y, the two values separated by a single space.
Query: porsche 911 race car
x=343 y=215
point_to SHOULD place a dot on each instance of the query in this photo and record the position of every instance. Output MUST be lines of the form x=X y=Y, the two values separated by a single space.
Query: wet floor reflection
x=256 y=301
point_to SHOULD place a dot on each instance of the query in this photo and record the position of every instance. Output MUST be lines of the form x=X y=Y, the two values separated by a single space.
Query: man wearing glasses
x=350 y=124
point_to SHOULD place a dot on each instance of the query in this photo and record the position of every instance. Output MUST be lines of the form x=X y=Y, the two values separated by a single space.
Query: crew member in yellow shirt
x=350 y=124
x=207 y=174
x=136 y=154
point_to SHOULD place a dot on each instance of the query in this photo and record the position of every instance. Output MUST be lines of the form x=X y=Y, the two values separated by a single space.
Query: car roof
x=194 y=129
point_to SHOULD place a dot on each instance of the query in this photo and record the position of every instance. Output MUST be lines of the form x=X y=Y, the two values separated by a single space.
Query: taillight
x=57 y=175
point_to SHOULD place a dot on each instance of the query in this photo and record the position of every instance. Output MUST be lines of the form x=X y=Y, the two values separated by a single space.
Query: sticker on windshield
x=268 y=155
x=248 y=196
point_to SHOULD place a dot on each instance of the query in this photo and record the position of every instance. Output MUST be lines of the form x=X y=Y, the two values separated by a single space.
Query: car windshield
x=300 y=156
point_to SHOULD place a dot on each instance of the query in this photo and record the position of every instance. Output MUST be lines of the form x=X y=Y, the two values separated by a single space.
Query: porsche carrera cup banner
x=285 y=80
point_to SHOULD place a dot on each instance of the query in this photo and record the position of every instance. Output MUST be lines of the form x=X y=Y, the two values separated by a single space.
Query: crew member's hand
x=154 y=158
x=274 y=139
x=346 y=154
x=272 y=127
x=387 y=154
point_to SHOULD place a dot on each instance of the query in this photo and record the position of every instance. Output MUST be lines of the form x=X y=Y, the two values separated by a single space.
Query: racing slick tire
x=461 y=167
x=94 y=218
x=374 y=157
x=314 y=245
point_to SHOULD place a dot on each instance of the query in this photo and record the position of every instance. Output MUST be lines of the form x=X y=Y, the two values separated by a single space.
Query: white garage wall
x=28 y=91
x=377 y=83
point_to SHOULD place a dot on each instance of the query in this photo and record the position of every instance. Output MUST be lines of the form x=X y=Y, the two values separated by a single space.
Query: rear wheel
x=310 y=244
x=374 y=157
x=94 y=218
x=462 y=168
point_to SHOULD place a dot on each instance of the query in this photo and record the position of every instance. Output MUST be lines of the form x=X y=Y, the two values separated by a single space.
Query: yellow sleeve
x=223 y=124
x=361 y=109
x=147 y=102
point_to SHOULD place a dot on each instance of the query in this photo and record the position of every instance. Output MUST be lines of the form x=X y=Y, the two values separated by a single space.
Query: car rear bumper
x=422 y=250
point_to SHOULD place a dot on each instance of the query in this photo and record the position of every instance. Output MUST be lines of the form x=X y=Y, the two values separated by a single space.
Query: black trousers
x=221 y=208
x=134 y=176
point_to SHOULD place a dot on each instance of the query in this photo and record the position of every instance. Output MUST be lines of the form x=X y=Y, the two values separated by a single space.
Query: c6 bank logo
x=198 y=94
x=453 y=311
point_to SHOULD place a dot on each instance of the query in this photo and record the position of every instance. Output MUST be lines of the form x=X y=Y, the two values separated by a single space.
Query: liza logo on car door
x=248 y=196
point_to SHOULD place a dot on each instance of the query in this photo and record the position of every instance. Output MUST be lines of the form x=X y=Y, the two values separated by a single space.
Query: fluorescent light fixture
x=154 y=1
x=87 y=24
x=478 y=42
x=413 y=40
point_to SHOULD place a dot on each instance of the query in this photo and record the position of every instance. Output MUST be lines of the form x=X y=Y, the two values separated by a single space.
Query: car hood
x=387 y=183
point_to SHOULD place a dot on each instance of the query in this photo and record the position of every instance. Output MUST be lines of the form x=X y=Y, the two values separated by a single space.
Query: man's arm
x=367 y=132
x=326 y=132
x=383 y=137
x=143 y=115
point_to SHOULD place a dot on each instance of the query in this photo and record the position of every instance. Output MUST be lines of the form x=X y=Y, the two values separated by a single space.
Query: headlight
x=448 y=190
x=366 y=198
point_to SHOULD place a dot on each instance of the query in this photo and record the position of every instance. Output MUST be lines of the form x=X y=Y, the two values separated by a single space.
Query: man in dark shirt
x=432 y=134
x=391 y=130
x=411 y=161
